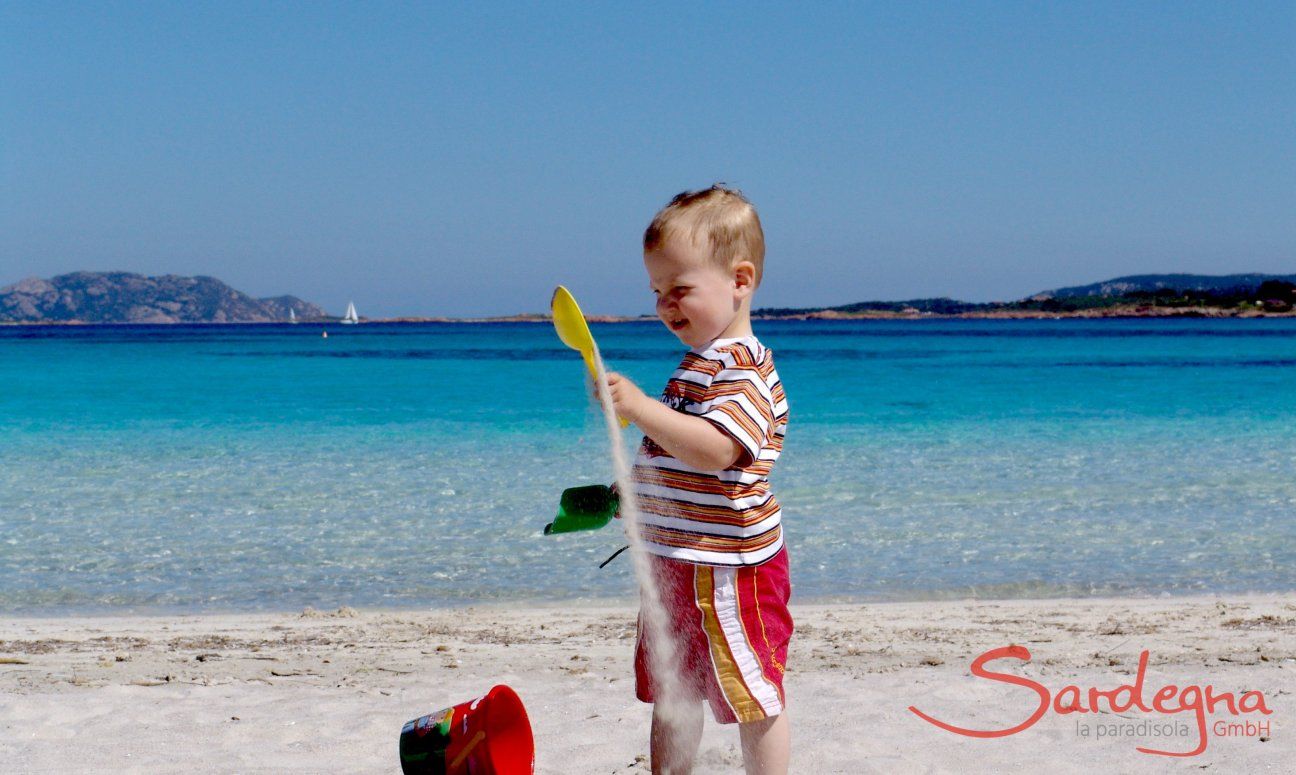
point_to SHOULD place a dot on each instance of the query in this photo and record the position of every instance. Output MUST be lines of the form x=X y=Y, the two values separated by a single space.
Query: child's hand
x=627 y=398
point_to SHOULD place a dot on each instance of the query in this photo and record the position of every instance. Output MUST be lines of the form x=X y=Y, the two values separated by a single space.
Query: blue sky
x=429 y=159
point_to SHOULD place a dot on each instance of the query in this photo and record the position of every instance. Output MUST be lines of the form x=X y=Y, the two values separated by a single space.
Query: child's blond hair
x=720 y=215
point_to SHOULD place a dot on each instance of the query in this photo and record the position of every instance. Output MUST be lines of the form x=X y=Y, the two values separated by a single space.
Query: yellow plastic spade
x=574 y=331
x=571 y=327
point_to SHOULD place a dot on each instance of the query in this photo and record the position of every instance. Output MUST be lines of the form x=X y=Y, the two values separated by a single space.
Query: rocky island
x=123 y=297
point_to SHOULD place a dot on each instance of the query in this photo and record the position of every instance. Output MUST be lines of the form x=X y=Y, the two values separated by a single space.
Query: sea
x=267 y=467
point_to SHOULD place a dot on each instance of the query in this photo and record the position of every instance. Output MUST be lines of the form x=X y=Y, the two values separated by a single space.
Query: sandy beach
x=329 y=691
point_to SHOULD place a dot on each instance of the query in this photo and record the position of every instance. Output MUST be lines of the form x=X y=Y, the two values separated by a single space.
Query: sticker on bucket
x=490 y=735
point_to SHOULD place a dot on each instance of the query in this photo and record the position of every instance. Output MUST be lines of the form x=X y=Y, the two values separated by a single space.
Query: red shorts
x=732 y=629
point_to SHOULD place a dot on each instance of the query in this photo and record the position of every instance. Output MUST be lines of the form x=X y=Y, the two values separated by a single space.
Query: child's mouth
x=676 y=325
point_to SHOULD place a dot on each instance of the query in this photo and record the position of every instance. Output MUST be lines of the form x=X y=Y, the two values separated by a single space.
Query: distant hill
x=1134 y=294
x=934 y=306
x=1235 y=284
x=123 y=297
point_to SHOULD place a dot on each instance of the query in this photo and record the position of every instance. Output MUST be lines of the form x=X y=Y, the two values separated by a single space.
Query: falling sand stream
x=670 y=704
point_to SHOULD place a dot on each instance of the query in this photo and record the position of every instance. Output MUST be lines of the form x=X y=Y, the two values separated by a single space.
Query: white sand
x=329 y=693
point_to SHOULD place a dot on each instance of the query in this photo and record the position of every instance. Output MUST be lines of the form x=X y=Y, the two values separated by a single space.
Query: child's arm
x=686 y=437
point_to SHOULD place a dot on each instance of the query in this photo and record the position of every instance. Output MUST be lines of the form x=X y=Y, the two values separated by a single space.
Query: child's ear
x=745 y=277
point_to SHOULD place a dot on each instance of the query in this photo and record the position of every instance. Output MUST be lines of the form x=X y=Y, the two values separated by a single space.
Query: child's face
x=695 y=299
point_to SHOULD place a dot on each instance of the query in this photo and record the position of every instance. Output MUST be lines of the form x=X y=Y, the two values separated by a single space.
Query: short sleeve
x=739 y=403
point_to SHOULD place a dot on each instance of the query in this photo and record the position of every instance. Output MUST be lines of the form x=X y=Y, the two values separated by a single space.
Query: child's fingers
x=598 y=395
x=616 y=389
x=613 y=379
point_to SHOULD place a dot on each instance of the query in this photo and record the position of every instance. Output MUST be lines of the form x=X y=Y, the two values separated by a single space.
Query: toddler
x=709 y=520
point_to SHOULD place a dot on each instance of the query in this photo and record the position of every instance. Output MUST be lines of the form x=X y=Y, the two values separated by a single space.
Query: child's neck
x=740 y=326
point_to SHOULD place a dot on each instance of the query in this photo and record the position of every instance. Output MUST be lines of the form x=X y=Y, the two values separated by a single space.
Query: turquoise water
x=264 y=467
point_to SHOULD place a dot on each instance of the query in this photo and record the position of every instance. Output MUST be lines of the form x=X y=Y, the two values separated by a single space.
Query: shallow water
x=263 y=467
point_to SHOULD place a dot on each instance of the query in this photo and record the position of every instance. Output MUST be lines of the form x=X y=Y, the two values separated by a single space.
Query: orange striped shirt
x=727 y=517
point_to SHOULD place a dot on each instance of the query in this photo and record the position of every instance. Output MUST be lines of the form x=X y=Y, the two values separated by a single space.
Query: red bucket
x=486 y=736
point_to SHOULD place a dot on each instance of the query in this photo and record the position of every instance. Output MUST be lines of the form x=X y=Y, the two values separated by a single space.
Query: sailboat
x=350 y=316
x=292 y=316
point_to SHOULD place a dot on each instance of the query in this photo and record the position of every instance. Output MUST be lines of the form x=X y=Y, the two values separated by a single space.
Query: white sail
x=350 y=316
x=292 y=316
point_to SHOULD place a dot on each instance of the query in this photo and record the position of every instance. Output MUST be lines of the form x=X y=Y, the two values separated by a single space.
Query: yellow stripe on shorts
x=727 y=672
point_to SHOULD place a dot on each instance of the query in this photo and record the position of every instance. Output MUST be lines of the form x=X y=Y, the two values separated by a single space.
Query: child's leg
x=675 y=737
x=766 y=745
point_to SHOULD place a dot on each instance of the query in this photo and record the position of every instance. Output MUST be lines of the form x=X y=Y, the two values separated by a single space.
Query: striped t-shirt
x=727 y=517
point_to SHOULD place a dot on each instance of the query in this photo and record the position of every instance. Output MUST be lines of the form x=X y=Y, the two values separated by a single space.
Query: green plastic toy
x=584 y=508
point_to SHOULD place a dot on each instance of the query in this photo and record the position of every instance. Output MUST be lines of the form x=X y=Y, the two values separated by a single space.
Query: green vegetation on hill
x=1219 y=285
x=1249 y=292
x=1271 y=295
x=937 y=306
